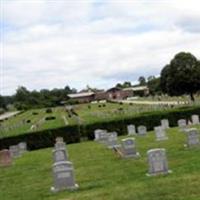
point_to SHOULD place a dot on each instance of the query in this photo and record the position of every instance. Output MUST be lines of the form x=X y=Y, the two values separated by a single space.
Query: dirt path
x=154 y=102
x=8 y=115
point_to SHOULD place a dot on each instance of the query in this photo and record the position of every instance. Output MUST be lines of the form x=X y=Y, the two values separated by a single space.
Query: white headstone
x=131 y=129
x=165 y=123
x=195 y=120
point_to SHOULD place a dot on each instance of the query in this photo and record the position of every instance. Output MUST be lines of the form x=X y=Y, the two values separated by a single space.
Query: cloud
x=47 y=44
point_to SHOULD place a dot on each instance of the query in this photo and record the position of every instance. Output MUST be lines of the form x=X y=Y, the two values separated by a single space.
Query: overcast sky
x=54 y=43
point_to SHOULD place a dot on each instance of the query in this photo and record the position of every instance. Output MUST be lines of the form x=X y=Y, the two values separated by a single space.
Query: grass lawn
x=103 y=176
x=86 y=115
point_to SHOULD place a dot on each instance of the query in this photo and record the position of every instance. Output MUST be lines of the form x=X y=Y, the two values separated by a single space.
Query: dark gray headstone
x=157 y=161
x=129 y=148
x=193 y=138
x=63 y=174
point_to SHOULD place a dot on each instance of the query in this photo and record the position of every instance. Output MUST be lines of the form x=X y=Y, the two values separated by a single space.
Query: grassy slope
x=103 y=176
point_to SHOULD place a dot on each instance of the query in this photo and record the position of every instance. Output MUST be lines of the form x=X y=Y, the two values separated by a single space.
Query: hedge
x=75 y=133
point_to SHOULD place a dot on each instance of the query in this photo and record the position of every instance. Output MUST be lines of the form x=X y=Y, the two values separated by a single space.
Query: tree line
x=180 y=76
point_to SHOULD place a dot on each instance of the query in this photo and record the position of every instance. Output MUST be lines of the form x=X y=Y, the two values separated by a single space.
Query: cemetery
x=91 y=170
x=99 y=100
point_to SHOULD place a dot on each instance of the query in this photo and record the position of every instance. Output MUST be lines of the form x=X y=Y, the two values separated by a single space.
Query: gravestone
x=193 y=139
x=112 y=140
x=131 y=129
x=103 y=137
x=129 y=148
x=195 y=120
x=182 y=123
x=60 y=144
x=63 y=176
x=160 y=133
x=157 y=162
x=142 y=130
x=22 y=147
x=5 y=158
x=97 y=134
x=60 y=155
x=14 y=151
x=165 y=123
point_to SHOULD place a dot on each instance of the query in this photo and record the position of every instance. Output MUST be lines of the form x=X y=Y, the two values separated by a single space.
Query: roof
x=83 y=94
x=114 y=89
x=139 y=88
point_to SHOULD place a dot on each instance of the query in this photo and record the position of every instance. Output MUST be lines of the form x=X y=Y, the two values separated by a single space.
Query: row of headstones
x=157 y=159
x=11 y=127
x=63 y=170
x=14 y=151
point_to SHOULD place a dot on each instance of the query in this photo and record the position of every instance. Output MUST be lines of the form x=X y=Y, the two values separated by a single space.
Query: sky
x=53 y=43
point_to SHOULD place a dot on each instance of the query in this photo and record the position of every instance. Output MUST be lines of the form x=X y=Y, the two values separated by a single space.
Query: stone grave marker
x=182 y=124
x=63 y=176
x=165 y=123
x=129 y=148
x=59 y=155
x=60 y=144
x=195 y=120
x=160 y=133
x=112 y=140
x=142 y=130
x=131 y=129
x=14 y=151
x=193 y=138
x=97 y=134
x=22 y=147
x=157 y=161
x=5 y=158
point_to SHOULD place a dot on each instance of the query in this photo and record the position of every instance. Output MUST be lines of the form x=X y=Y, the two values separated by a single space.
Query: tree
x=154 y=85
x=142 y=80
x=181 y=76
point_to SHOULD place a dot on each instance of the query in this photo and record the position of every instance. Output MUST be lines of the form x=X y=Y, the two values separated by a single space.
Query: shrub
x=35 y=113
x=50 y=118
x=49 y=110
x=99 y=106
x=28 y=121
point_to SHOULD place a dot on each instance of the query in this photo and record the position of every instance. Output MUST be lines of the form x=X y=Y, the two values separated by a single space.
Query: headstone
x=182 y=124
x=142 y=130
x=60 y=144
x=59 y=139
x=195 y=120
x=131 y=129
x=97 y=134
x=160 y=133
x=60 y=155
x=103 y=137
x=165 y=123
x=112 y=140
x=63 y=175
x=5 y=158
x=193 y=139
x=129 y=148
x=157 y=161
x=14 y=151
x=22 y=147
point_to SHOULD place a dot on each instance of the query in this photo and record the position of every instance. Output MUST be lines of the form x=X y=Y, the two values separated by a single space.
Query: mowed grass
x=101 y=175
x=87 y=114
